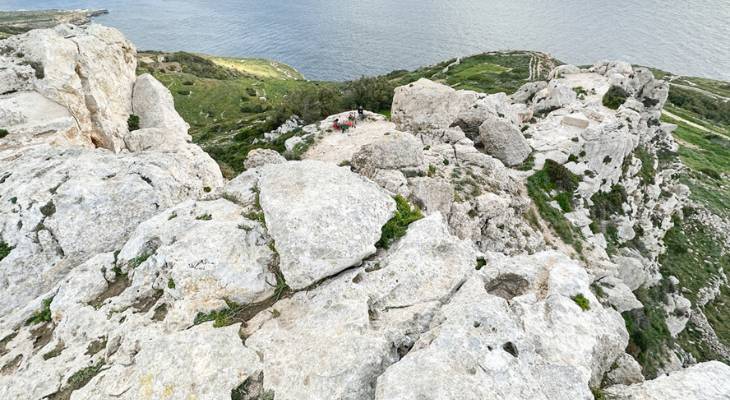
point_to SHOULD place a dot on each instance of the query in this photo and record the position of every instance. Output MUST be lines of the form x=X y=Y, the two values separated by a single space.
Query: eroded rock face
x=323 y=218
x=154 y=106
x=706 y=381
x=90 y=71
x=62 y=206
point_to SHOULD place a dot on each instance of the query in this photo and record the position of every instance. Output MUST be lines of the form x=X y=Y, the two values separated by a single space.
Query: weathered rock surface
x=260 y=157
x=706 y=381
x=90 y=71
x=134 y=271
x=504 y=141
x=323 y=218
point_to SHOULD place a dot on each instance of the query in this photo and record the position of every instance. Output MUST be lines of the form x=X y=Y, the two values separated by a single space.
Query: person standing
x=361 y=112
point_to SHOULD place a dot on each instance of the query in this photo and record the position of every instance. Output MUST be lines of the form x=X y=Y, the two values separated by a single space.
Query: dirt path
x=690 y=123
x=337 y=147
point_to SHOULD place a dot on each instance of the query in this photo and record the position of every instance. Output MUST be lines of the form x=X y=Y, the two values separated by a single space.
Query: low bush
x=133 y=122
x=3 y=133
x=398 y=225
x=42 y=315
x=582 y=302
x=615 y=97
x=5 y=249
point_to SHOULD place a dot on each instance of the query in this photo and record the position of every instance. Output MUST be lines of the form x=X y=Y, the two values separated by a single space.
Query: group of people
x=351 y=120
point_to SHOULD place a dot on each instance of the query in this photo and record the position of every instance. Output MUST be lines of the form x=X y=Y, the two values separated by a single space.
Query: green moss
x=481 y=262
x=398 y=225
x=133 y=122
x=582 y=302
x=171 y=283
x=42 y=315
x=615 y=97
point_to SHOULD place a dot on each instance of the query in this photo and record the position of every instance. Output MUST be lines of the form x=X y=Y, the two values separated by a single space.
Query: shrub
x=647 y=171
x=582 y=302
x=561 y=177
x=3 y=133
x=171 y=283
x=398 y=225
x=431 y=170
x=712 y=173
x=5 y=249
x=565 y=201
x=607 y=204
x=183 y=92
x=133 y=122
x=374 y=93
x=615 y=97
x=43 y=315
x=204 y=217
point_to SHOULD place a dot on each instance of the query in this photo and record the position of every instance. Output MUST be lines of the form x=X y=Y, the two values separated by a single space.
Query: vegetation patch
x=42 y=315
x=204 y=217
x=396 y=228
x=582 y=302
x=555 y=178
x=615 y=97
x=649 y=337
x=5 y=250
x=137 y=261
x=3 y=133
x=133 y=122
x=647 y=172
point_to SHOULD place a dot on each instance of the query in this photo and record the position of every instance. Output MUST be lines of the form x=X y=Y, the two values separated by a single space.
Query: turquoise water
x=340 y=39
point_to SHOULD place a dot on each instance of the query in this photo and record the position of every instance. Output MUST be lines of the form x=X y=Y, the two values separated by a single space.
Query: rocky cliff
x=476 y=247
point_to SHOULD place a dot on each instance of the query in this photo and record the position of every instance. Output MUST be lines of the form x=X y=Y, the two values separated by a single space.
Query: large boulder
x=425 y=105
x=503 y=140
x=260 y=157
x=155 y=107
x=89 y=70
x=323 y=218
x=396 y=150
x=705 y=381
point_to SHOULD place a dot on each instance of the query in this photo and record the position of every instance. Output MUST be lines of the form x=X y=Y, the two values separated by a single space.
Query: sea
x=344 y=39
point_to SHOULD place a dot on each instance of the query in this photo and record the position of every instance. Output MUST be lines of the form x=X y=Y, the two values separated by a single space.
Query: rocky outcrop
x=706 y=381
x=132 y=270
x=89 y=71
x=323 y=218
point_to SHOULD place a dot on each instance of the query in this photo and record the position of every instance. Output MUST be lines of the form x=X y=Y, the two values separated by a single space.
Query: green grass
x=396 y=228
x=582 y=302
x=648 y=332
x=220 y=318
x=42 y=315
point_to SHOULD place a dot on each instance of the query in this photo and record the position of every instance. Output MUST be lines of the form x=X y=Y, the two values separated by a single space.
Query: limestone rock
x=425 y=105
x=432 y=195
x=203 y=362
x=70 y=204
x=527 y=91
x=504 y=141
x=259 y=157
x=397 y=150
x=323 y=218
x=625 y=371
x=89 y=70
x=705 y=381
x=155 y=107
x=554 y=96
